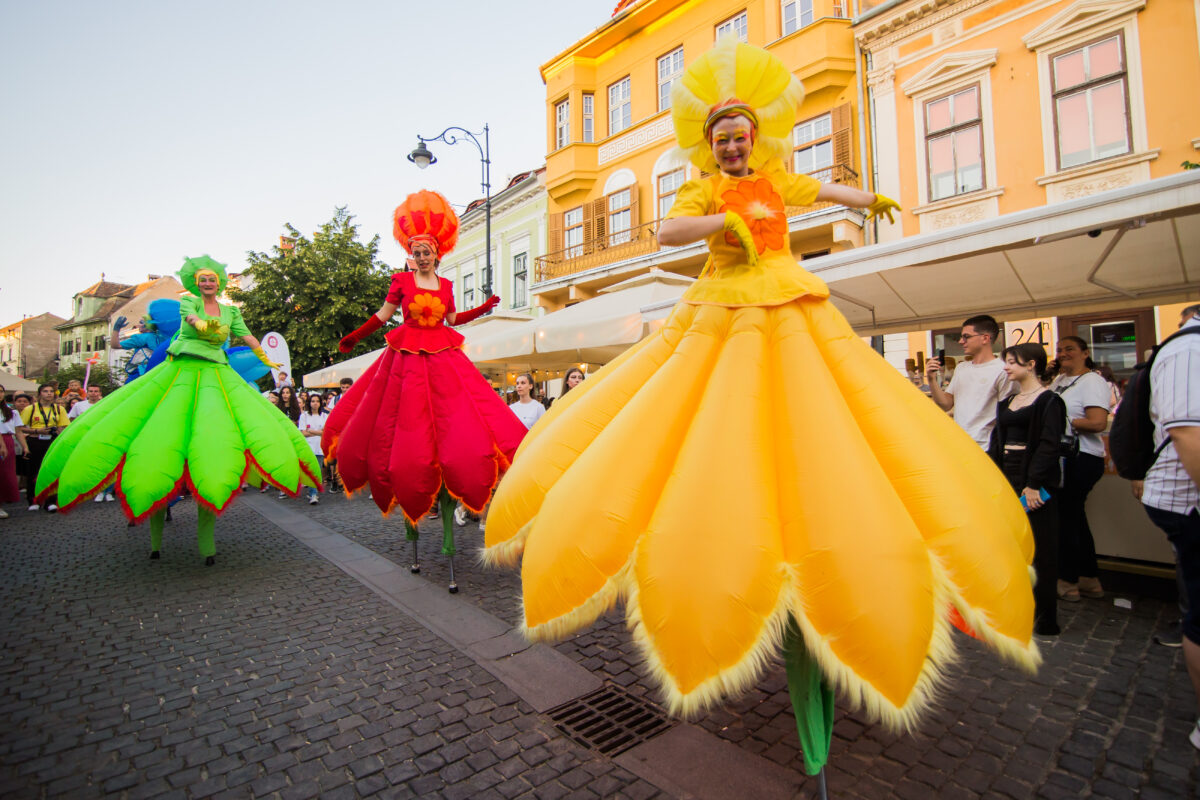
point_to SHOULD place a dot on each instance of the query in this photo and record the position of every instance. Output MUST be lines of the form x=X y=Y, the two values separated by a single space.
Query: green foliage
x=101 y=376
x=1190 y=165
x=316 y=292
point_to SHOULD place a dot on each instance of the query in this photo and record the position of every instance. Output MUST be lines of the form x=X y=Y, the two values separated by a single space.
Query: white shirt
x=977 y=388
x=529 y=411
x=10 y=427
x=1081 y=392
x=314 y=422
x=1174 y=403
x=78 y=408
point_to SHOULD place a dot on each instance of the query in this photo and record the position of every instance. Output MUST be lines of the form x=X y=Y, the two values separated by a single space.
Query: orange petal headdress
x=427 y=217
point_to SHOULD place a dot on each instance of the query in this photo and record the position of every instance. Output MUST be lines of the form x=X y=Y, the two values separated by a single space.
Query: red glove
x=372 y=324
x=463 y=317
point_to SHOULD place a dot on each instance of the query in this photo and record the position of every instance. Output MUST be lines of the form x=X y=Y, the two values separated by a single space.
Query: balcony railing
x=643 y=239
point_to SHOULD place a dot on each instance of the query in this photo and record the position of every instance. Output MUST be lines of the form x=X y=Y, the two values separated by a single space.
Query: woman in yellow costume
x=753 y=477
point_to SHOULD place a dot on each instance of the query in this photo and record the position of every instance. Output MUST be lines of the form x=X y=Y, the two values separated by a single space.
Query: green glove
x=737 y=228
x=883 y=205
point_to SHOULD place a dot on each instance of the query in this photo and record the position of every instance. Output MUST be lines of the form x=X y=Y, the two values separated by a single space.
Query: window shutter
x=843 y=153
x=635 y=218
x=588 y=227
x=599 y=217
x=555 y=233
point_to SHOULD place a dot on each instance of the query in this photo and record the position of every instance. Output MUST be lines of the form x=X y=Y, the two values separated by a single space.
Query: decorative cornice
x=1079 y=17
x=634 y=140
x=948 y=68
x=925 y=15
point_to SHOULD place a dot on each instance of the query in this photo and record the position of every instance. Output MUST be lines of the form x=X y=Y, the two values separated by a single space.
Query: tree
x=100 y=376
x=316 y=291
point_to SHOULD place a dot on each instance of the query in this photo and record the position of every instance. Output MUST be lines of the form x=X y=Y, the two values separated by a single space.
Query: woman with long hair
x=1087 y=396
x=422 y=425
x=10 y=436
x=191 y=420
x=872 y=514
x=1025 y=446
x=312 y=425
x=526 y=408
x=573 y=378
x=289 y=404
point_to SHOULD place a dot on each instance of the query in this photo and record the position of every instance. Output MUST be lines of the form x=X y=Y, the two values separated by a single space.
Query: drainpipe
x=862 y=121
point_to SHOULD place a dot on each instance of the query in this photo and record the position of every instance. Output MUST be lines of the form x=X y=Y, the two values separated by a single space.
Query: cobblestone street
x=277 y=673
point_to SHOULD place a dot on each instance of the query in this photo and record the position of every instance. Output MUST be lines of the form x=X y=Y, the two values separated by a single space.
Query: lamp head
x=421 y=155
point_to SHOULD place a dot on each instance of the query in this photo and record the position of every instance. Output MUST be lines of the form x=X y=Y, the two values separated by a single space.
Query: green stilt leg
x=206 y=527
x=156 y=531
x=411 y=534
x=812 y=701
x=446 y=505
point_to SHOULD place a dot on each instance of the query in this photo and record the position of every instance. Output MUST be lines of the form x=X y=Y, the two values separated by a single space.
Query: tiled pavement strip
x=277 y=674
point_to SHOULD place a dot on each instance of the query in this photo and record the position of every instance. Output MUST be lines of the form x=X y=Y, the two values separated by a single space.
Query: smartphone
x=942 y=357
x=1043 y=494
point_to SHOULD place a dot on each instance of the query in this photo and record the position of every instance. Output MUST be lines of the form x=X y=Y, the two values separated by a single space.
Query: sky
x=137 y=133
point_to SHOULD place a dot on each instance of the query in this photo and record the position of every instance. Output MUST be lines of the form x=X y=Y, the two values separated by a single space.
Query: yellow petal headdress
x=753 y=76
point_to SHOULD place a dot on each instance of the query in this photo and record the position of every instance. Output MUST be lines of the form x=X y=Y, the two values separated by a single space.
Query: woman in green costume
x=190 y=420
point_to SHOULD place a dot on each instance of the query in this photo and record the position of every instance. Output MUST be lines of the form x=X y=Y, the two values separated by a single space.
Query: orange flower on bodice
x=427 y=310
x=761 y=207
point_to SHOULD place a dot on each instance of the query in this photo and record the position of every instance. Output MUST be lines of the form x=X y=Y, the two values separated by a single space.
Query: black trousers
x=1077 y=548
x=37 y=452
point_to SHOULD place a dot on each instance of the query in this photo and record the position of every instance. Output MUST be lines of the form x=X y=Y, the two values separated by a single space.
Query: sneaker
x=110 y=497
x=52 y=508
x=1194 y=736
x=312 y=501
x=282 y=495
x=34 y=507
x=3 y=514
x=1170 y=638
x=460 y=515
x=481 y=524
x=99 y=498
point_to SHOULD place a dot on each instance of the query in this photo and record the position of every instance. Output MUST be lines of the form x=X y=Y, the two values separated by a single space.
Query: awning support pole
x=859 y=303
x=1092 y=279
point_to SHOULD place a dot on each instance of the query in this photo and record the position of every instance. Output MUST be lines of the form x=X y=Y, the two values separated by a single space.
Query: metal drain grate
x=610 y=720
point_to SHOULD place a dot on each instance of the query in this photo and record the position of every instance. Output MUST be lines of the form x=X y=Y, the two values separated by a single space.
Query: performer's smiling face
x=208 y=284
x=424 y=257
x=732 y=140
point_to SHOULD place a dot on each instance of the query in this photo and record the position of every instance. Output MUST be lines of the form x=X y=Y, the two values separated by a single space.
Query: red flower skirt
x=416 y=421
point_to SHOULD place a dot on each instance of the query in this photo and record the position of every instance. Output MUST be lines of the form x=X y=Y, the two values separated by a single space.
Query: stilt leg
x=206 y=523
x=156 y=532
x=410 y=533
x=447 y=504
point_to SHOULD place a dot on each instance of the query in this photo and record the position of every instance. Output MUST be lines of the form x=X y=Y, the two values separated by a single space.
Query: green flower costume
x=192 y=419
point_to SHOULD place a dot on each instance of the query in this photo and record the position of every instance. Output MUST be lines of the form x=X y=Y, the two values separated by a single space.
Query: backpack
x=1131 y=438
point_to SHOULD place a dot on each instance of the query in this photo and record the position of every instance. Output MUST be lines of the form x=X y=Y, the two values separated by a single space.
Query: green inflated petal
x=91 y=447
x=262 y=436
x=216 y=457
x=155 y=459
x=303 y=452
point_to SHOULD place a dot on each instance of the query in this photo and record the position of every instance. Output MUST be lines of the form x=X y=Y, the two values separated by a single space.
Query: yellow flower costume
x=755 y=460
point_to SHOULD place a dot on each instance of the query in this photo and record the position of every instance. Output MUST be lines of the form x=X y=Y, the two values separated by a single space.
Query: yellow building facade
x=610 y=172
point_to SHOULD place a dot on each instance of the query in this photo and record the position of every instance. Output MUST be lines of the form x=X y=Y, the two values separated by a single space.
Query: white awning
x=1139 y=242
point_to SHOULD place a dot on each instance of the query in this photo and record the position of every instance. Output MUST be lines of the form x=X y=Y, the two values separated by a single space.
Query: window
x=1091 y=107
x=954 y=144
x=668 y=185
x=520 y=275
x=812 y=144
x=99 y=345
x=468 y=290
x=589 y=104
x=619 y=216
x=734 y=26
x=670 y=69
x=620 y=114
x=796 y=15
x=562 y=124
x=839 y=9
x=573 y=232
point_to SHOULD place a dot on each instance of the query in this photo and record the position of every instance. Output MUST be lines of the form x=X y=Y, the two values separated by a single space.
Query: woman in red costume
x=422 y=424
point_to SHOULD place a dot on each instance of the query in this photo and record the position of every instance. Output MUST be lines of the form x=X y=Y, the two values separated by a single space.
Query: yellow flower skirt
x=746 y=463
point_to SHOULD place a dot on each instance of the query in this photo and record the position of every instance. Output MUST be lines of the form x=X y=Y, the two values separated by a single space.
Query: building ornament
x=1078 y=18
x=635 y=139
x=910 y=21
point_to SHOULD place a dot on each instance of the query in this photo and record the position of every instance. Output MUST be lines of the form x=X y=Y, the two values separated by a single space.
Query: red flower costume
x=422 y=415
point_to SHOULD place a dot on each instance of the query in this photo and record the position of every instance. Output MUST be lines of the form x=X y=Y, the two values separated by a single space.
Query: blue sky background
x=137 y=133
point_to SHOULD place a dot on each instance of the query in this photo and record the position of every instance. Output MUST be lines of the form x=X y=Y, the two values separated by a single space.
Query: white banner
x=275 y=346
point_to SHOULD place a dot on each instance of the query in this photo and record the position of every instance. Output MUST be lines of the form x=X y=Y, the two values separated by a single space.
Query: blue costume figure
x=154 y=330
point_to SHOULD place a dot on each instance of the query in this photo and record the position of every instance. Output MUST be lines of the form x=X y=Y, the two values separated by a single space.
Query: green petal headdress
x=187 y=273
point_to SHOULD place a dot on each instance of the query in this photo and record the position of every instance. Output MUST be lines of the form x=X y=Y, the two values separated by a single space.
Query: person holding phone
x=1025 y=446
x=41 y=423
x=977 y=384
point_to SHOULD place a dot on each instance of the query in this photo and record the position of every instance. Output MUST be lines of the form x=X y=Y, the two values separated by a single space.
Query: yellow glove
x=262 y=356
x=736 y=227
x=883 y=205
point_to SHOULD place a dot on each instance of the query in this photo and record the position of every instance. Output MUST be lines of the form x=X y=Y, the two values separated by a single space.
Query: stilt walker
x=192 y=420
x=752 y=479
x=422 y=425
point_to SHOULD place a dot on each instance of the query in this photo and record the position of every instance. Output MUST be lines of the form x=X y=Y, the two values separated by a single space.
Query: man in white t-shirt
x=94 y=396
x=977 y=384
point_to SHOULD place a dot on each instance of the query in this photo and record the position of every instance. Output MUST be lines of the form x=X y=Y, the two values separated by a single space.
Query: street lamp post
x=423 y=158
